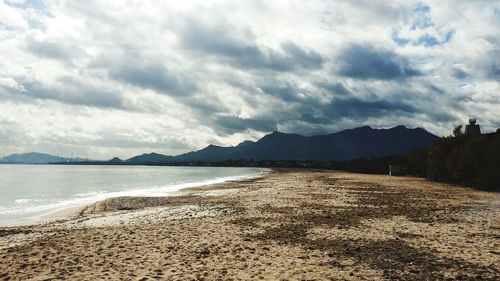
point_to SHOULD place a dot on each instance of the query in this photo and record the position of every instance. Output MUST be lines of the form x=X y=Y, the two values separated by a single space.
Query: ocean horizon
x=28 y=192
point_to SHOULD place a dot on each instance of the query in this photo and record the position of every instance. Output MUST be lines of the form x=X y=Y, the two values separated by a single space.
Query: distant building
x=472 y=128
x=397 y=170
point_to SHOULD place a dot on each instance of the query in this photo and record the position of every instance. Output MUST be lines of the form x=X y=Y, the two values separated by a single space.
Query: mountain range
x=36 y=158
x=362 y=142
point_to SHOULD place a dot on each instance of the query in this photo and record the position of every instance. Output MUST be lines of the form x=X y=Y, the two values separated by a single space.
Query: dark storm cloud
x=153 y=76
x=351 y=108
x=368 y=62
x=493 y=68
x=313 y=113
x=53 y=49
x=290 y=92
x=459 y=73
x=335 y=88
x=240 y=49
x=305 y=58
x=206 y=106
x=360 y=109
x=494 y=72
x=232 y=124
x=434 y=89
x=488 y=64
x=73 y=92
x=287 y=92
x=304 y=105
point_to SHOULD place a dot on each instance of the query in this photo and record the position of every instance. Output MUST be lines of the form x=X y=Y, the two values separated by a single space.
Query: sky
x=119 y=78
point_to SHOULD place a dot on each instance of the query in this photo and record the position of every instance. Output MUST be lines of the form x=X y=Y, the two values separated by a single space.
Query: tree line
x=471 y=160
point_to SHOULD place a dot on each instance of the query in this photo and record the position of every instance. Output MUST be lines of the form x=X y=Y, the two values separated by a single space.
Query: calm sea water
x=28 y=191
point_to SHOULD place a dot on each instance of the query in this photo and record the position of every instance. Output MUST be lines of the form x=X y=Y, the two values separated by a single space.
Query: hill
x=363 y=142
x=35 y=158
x=149 y=158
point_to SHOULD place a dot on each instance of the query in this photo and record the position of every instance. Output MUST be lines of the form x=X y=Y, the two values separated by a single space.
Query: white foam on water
x=30 y=210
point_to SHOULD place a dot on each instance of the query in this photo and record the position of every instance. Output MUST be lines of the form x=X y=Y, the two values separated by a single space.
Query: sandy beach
x=287 y=225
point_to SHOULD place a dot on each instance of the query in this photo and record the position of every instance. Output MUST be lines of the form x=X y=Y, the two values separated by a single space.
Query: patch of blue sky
x=423 y=20
x=37 y=5
x=422 y=23
x=427 y=41
x=422 y=8
x=399 y=40
x=448 y=36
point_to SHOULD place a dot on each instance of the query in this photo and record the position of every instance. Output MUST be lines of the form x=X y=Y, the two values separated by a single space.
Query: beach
x=286 y=225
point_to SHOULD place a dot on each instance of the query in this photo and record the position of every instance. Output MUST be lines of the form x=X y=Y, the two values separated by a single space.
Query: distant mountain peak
x=279 y=136
x=244 y=143
x=278 y=133
x=400 y=127
x=153 y=154
x=36 y=158
x=364 y=127
x=147 y=158
x=213 y=146
x=116 y=160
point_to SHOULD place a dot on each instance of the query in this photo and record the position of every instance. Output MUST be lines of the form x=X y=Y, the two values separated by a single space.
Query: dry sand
x=288 y=225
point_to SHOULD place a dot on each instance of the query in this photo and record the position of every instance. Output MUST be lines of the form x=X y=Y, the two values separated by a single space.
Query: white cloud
x=11 y=18
x=105 y=78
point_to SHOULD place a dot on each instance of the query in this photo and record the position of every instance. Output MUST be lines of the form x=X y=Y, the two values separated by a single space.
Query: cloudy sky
x=119 y=78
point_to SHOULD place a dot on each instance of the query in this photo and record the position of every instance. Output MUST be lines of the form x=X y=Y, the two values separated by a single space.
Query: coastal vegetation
x=472 y=160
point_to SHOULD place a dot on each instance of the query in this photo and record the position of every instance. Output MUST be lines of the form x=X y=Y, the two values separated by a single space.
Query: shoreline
x=288 y=224
x=63 y=213
x=70 y=211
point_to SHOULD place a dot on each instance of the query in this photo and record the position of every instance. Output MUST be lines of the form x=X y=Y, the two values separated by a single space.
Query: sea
x=28 y=192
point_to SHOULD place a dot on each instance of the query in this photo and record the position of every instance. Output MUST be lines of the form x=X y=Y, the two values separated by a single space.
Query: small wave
x=33 y=208
x=89 y=194
x=26 y=201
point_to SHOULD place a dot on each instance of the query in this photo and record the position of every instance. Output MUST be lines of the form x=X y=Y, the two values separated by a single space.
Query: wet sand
x=288 y=225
